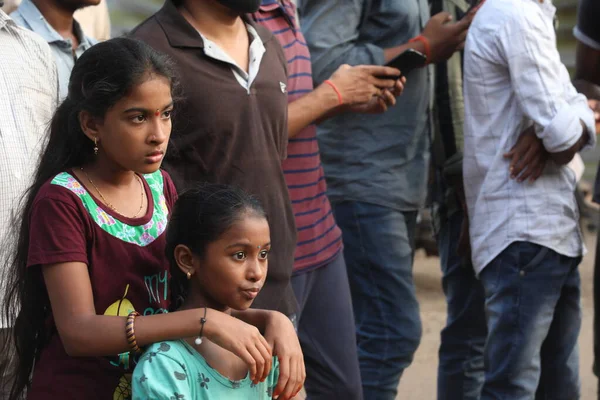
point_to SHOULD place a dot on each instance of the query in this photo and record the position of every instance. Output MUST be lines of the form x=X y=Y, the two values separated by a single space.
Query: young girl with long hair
x=88 y=281
x=218 y=242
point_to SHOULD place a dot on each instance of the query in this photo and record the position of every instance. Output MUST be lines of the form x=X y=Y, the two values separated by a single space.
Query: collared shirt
x=255 y=55
x=319 y=237
x=223 y=133
x=30 y=17
x=514 y=78
x=28 y=97
x=379 y=159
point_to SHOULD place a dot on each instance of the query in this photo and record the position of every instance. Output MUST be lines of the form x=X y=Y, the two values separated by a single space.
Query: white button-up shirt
x=513 y=78
x=28 y=98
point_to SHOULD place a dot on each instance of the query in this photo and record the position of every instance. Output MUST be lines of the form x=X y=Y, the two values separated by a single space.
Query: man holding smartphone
x=376 y=168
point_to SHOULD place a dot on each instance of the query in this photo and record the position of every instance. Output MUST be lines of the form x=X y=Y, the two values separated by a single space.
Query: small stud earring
x=95 y=146
x=189 y=275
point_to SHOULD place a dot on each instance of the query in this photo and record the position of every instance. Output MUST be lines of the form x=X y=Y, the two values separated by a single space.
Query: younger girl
x=218 y=243
x=89 y=279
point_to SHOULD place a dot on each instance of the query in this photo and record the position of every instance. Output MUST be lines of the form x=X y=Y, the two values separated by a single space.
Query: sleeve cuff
x=565 y=129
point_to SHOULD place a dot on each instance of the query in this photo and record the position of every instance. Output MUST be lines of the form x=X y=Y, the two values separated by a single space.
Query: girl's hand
x=243 y=340
x=281 y=335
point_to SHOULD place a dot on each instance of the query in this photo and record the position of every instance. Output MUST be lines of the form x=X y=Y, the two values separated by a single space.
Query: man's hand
x=379 y=105
x=595 y=106
x=444 y=36
x=359 y=84
x=527 y=157
x=281 y=336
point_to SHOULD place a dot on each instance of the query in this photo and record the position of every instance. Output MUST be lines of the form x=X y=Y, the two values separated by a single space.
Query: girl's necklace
x=108 y=203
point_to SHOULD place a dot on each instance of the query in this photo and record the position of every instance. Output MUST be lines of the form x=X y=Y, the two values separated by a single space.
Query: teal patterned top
x=141 y=235
x=175 y=370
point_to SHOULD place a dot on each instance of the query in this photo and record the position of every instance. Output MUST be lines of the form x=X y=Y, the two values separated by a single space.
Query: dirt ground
x=419 y=380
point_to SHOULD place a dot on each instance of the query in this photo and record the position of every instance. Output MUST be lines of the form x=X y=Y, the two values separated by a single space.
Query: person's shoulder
x=33 y=43
x=64 y=188
x=18 y=18
x=150 y=27
x=168 y=351
x=514 y=12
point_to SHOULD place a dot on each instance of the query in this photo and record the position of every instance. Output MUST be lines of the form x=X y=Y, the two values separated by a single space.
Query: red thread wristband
x=426 y=45
x=339 y=95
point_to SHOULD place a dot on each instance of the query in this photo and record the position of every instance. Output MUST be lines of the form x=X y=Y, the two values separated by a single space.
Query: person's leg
x=523 y=286
x=559 y=378
x=379 y=255
x=460 y=371
x=327 y=333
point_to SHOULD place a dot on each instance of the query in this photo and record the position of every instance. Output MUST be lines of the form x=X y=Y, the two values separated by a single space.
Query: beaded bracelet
x=198 y=340
x=130 y=332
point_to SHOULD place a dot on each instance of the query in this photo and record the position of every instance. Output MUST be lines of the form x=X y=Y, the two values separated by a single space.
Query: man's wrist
x=327 y=97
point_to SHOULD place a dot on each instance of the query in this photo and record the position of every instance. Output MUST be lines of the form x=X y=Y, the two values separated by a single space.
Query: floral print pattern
x=141 y=235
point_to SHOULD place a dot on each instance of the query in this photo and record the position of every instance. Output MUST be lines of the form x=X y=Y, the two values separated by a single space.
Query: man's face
x=76 y=4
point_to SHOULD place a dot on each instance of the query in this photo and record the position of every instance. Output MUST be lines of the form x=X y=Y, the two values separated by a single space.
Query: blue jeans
x=460 y=371
x=533 y=316
x=379 y=249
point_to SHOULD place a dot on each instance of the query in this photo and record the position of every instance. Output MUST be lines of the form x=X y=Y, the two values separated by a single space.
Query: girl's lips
x=155 y=157
x=251 y=293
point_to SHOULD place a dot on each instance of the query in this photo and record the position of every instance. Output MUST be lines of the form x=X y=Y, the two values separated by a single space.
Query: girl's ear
x=89 y=125
x=184 y=259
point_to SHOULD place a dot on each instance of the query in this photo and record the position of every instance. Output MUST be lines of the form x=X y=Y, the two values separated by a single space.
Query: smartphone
x=474 y=4
x=406 y=62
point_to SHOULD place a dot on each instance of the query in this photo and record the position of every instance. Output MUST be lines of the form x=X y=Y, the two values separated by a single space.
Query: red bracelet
x=426 y=45
x=339 y=95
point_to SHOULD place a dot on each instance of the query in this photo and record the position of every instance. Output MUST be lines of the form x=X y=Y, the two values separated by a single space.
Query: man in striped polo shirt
x=325 y=318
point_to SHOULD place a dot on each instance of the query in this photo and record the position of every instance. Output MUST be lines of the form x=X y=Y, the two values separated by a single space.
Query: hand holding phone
x=407 y=61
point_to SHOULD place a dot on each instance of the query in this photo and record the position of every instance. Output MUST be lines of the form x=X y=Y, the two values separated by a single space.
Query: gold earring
x=189 y=275
x=95 y=146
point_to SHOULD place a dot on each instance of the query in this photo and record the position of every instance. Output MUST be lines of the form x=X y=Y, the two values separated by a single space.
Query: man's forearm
x=311 y=108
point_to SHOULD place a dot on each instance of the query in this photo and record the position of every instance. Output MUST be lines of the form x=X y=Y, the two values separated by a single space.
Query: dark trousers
x=461 y=370
x=327 y=333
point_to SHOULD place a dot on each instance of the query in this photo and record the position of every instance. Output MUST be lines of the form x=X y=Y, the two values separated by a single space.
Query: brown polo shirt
x=225 y=134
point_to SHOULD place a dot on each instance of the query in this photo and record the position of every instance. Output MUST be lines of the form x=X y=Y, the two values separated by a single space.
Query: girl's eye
x=239 y=256
x=139 y=118
x=264 y=254
x=167 y=114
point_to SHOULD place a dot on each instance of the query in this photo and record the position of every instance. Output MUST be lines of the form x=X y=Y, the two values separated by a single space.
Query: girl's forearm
x=101 y=335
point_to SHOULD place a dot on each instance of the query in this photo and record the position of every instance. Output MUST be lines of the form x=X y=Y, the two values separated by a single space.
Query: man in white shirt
x=28 y=97
x=525 y=238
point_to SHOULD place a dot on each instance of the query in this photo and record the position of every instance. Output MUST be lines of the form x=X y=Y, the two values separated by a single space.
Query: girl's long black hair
x=200 y=216
x=102 y=76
